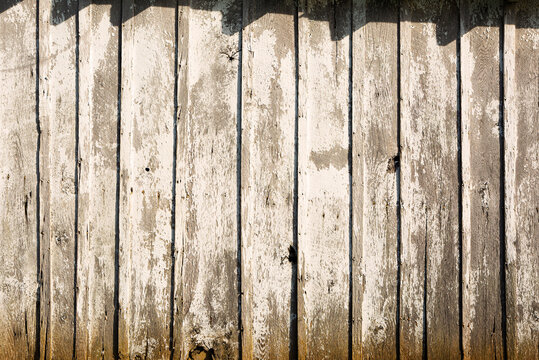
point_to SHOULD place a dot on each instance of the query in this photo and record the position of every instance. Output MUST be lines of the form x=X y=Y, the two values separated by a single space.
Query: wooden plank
x=146 y=160
x=521 y=72
x=97 y=191
x=323 y=190
x=207 y=180
x=375 y=161
x=18 y=181
x=429 y=181
x=268 y=148
x=57 y=48
x=481 y=299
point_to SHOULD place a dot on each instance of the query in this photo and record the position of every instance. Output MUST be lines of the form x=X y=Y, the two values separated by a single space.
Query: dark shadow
x=324 y=11
x=6 y=4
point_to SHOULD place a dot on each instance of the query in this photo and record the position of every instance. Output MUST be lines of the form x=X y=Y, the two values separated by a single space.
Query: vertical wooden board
x=97 y=189
x=268 y=148
x=375 y=161
x=429 y=188
x=521 y=71
x=323 y=189
x=207 y=179
x=146 y=160
x=482 y=309
x=18 y=181
x=57 y=47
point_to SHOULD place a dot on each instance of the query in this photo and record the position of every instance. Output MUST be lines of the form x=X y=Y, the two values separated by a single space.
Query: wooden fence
x=278 y=179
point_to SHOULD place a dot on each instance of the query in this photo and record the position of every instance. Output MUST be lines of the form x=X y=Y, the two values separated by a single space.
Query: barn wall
x=282 y=179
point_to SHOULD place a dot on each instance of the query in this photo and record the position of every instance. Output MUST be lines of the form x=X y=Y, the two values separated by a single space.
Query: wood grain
x=375 y=162
x=429 y=182
x=521 y=118
x=146 y=156
x=482 y=308
x=18 y=181
x=97 y=191
x=323 y=192
x=206 y=199
x=57 y=47
x=268 y=155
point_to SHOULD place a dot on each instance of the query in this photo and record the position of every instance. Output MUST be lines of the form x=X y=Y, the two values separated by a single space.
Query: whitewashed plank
x=375 y=161
x=323 y=190
x=146 y=160
x=57 y=47
x=521 y=90
x=18 y=181
x=482 y=307
x=97 y=192
x=268 y=151
x=206 y=185
x=429 y=181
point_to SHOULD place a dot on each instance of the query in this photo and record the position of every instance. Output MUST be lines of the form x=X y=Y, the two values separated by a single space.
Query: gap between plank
x=501 y=124
x=350 y=182
x=77 y=175
x=425 y=283
x=238 y=181
x=460 y=185
x=37 y=350
x=293 y=341
x=398 y=182
x=174 y=176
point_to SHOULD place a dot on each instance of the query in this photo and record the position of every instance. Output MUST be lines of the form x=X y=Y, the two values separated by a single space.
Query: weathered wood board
x=374 y=190
x=206 y=227
x=98 y=144
x=146 y=162
x=429 y=316
x=58 y=122
x=480 y=105
x=18 y=182
x=323 y=176
x=268 y=169
x=521 y=120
